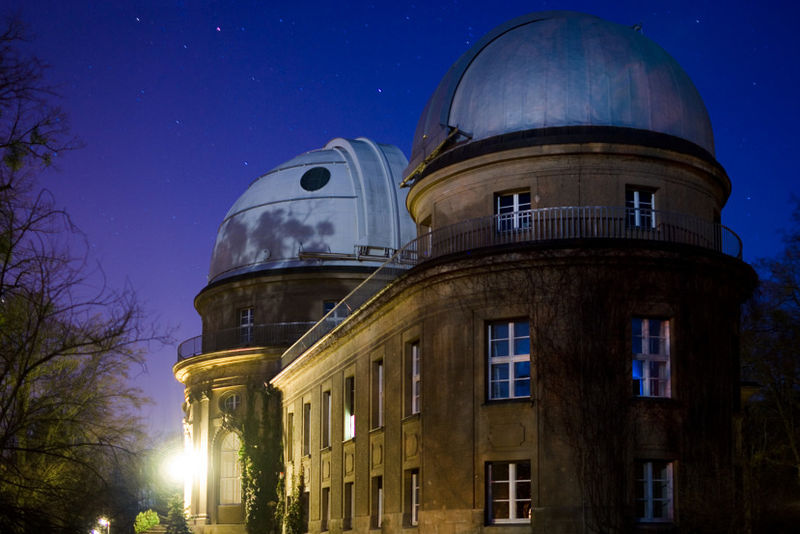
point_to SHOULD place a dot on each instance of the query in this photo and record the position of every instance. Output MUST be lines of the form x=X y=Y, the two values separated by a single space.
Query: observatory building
x=532 y=326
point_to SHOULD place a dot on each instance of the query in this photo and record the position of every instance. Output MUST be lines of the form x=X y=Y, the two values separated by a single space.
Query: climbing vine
x=259 y=426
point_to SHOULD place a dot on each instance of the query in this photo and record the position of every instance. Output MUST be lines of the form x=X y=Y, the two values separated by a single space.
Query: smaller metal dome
x=559 y=69
x=328 y=205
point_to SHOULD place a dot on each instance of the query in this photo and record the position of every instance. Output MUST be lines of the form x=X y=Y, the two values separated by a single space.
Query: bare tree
x=67 y=342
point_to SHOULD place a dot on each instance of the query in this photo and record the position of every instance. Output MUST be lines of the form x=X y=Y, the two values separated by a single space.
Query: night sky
x=180 y=105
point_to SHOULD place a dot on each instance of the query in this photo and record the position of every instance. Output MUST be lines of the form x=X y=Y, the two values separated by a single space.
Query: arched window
x=230 y=472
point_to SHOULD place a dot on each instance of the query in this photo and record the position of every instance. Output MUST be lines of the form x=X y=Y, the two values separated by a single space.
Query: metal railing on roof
x=260 y=335
x=530 y=226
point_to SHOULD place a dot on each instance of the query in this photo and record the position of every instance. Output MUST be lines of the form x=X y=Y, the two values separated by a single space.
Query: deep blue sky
x=182 y=104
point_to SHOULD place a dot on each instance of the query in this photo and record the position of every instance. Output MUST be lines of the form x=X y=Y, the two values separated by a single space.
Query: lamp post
x=105 y=523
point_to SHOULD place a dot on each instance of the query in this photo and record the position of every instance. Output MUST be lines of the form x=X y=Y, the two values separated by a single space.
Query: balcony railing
x=530 y=226
x=261 y=335
x=574 y=222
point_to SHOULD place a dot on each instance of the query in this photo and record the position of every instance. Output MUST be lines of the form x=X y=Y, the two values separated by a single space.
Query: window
x=412 y=385
x=377 y=393
x=326 y=419
x=377 y=502
x=513 y=211
x=639 y=206
x=338 y=314
x=654 y=491
x=508 y=492
x=230 y=403
x=349 y=407
x=326 y=508
x=307 y=429
x=412 y=497
x=246 y=326
x=509 y=360
x=290 y=437
x=349 y=506
x=230 y=472
x=650 y=357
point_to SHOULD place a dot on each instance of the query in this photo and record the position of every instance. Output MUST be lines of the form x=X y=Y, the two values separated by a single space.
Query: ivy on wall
x=259 y=425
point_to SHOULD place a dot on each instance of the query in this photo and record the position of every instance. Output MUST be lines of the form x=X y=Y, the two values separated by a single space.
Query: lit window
x=326 y=419
x=230 y=403
x=509 y=360
x=508 y=494
x=654 y=491
x=513 y=211
x=377 y=393
x=230 y=472
x=650 y=345
x=307 y=429
x=349 y=407
x=246 y=326
x=639 y=206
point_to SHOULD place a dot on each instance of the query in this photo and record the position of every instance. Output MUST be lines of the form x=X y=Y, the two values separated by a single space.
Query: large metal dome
x=333 y=204
x=562 y=69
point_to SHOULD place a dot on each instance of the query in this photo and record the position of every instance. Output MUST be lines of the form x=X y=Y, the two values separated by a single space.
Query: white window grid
x=416 y=383
x=509 y=492
x=654 y=481
x=379 y=518
x=246 y=323
x=231 y=403
x=651 y=361
x=509 y=360
x=513 y=211
x=640 y=206
x=339 y=314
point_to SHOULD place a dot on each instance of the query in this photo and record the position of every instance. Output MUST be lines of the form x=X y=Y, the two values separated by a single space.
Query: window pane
x=499 y=348
x=522 y=369
x=506 y=203
x=523 y=509
x=655 y=345
x=500 y=371
x=500 y=490
x=521 y=329
x=498 y=471
x=523 y=471
x=524 y=201
x=523 y=490
x=499 y=331
x=500 y=510
x=522 y=388
x=522 y=346
x=500 y=390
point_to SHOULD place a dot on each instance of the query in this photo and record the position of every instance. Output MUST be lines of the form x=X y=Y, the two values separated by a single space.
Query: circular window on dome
x=315 y=178
x=230 y=403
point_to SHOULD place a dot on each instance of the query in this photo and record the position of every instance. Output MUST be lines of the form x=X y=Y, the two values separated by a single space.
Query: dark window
x=315 y=178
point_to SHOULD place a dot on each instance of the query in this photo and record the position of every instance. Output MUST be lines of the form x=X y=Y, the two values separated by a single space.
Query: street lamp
x=105 y=523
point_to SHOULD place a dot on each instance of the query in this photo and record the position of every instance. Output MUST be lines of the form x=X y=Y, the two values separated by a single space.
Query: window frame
x=640 y=213
x=645 y=484
x=230 y=481
x=518 y=217
x=512 y=484
x=378 y=393
x=326 y=419
x=349 y=408
x=306 y=429
x=642 y=362
x=246 y=325
x=511 y=359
